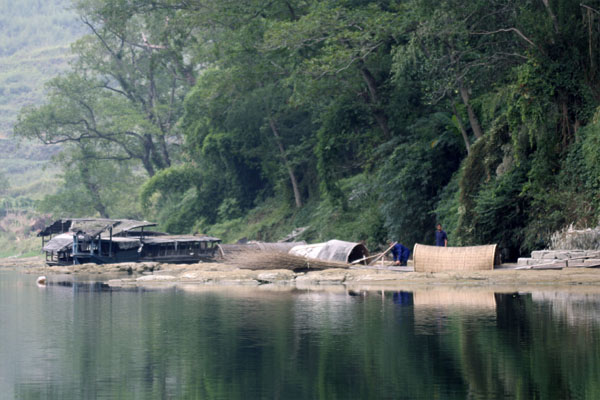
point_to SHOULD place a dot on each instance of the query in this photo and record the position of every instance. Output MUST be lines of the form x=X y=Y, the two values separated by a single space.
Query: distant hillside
x=22 y=80
x=34 y=42
x=35 y=37
x=34 y=47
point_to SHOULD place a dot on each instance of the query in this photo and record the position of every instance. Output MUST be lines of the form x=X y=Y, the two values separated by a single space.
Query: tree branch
x=97 y=34
x=589 y=8
x=552 y=16
x=518 y=32
x=106 y=86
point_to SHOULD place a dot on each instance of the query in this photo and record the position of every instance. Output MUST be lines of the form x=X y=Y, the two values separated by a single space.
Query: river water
x=80 y=340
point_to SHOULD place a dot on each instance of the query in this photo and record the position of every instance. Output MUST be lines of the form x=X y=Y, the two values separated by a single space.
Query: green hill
x=34 y=47
x=34 y=43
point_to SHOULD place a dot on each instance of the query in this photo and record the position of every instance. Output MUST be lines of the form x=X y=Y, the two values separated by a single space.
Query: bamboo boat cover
x=333 y=250
x=437 y=258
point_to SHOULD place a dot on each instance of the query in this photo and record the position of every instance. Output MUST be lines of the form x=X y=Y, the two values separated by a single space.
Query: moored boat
x=102 y=241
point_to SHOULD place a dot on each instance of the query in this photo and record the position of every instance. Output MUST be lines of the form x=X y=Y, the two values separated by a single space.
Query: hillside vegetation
x=35 y=39
x=34 y=43
x=364 y=120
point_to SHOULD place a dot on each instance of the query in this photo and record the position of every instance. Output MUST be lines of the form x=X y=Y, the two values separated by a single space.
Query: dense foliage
x=362 y=119
x=34 y=46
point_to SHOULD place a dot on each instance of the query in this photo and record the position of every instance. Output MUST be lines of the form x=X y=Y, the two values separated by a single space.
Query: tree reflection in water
x=245 y=343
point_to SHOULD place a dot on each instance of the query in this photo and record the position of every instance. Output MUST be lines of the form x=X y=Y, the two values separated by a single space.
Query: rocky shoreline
x=561 y=259
x=155 y=275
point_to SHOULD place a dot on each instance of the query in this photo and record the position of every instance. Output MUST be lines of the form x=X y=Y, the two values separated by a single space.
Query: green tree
x=126 y=88
x=91 y=186
x=341 y=74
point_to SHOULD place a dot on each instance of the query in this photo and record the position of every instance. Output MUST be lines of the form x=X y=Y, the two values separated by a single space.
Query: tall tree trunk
x=292 y=11
x=293 y=179
x=152 y=155
x=160 y=158
x=92 y=189
x=473 y=121
x=164 y=150
x=552 y=16
x=378 y=113
x=565 y=125
x=147 y=155
x=463 y=131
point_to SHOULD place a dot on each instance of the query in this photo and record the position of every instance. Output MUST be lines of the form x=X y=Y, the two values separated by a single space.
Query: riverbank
x=148 y=275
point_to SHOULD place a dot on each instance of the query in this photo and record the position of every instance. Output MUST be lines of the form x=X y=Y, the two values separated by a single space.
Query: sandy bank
x=131 y=275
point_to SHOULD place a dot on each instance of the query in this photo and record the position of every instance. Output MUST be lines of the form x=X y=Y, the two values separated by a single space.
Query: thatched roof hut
x=102 y=240
x=333 y=250
x=436 y=258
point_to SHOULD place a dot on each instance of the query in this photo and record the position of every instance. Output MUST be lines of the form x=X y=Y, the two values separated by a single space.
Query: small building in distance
x=103 y=241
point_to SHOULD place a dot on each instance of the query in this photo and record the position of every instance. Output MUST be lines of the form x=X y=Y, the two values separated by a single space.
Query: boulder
x=521 y=262
x=277 y=276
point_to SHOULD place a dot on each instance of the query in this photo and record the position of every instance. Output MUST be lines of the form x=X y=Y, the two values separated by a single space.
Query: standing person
x=400 y=253
x=441 y=239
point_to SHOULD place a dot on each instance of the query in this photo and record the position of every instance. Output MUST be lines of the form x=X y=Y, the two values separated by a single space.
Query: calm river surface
x=81 y=341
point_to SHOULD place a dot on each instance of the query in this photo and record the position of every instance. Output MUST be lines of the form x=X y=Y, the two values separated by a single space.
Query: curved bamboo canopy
x=333 y=250
x=437 y=258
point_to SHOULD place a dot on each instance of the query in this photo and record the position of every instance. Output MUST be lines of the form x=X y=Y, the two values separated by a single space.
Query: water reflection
x=435 y=308
x=448 y=298
x=573 y=308
x=85 y=340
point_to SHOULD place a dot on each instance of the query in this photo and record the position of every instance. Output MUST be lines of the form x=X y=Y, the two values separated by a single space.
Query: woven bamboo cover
x=436 y=258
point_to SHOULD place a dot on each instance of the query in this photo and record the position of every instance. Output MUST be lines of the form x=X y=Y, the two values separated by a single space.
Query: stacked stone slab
x=562 y=258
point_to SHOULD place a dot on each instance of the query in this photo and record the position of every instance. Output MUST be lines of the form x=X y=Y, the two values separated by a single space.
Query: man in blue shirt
x=400 y=253
x=441 y=239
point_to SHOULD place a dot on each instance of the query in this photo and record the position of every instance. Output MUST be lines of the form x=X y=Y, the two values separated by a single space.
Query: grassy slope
x=276 y=218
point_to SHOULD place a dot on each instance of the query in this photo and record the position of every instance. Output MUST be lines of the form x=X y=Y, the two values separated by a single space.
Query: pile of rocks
x=575 y=239
x=561 y=259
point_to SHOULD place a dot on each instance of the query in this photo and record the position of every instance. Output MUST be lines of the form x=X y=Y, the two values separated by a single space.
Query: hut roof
x=93 y=226
x=179 y=239
x=59 y=243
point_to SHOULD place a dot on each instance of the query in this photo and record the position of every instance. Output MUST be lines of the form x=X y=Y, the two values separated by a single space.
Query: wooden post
x=384 y=253
x=364 y=259
x=75 y=250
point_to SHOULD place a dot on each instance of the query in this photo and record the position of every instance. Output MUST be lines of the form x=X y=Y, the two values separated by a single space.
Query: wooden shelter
x=102 y=240
x=438 y=258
